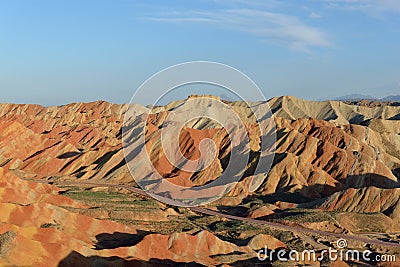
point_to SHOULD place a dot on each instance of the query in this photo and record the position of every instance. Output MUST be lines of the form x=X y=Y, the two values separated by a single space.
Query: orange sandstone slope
x=74 y=140
x=38 y=228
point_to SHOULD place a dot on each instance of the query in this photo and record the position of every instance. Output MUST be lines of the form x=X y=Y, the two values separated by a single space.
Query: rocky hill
x=342 y=159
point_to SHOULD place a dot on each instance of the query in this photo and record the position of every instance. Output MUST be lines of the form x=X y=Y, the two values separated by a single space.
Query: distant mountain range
x=355 y=97
x=395 y=98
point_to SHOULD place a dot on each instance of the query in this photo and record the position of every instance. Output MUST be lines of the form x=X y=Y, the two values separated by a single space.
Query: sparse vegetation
x=306 y=215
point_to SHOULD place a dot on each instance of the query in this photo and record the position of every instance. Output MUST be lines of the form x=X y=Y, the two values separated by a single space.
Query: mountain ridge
x=329 y=156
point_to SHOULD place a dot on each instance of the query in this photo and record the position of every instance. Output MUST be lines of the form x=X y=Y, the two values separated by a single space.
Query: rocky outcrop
x=261 y=241
x=364 y=200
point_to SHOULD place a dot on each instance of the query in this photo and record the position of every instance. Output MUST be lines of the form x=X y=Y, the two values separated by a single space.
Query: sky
x=57 y=52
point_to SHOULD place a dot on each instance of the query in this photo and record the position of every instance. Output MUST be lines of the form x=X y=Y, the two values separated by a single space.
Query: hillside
x=333 y=161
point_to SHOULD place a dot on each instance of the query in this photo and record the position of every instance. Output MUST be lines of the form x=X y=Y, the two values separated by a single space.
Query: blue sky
x=56 y=52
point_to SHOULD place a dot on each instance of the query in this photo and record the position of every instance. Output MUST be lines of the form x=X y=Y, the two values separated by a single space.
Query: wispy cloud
x=314 y=15
x=182 y=19
x=368 y=6
x=251 y=3
x=272 y=27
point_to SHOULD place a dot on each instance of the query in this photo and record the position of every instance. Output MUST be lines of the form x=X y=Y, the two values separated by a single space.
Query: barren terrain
x=66 y=195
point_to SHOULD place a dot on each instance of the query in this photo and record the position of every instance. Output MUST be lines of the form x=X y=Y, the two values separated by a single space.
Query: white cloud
x=314 y=15
x=180 y=20
x=369 y=6
x=271 y=27
x=251 y=3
